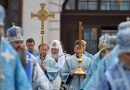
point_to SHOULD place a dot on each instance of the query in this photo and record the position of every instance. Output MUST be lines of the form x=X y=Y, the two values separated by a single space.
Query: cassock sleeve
x=39 y=79
x=97 y=76
x=91 y=71
x=104 y=84
x=88 y=76
x=21 y=81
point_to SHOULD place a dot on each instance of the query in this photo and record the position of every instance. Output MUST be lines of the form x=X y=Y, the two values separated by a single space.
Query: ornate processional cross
x=42 y=15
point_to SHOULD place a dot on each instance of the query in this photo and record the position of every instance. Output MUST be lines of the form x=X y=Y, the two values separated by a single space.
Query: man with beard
x=12 y=75
x=34 y=73
x=56 y=52
x=72 y=81
x=48 y=64
x=117 y=77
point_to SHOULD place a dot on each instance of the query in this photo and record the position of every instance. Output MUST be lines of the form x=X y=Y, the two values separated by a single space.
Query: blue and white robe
x=92 y=69
x=103 y=65
x=35 y=74
x=95 y=56
x=12 y=74
x=88 y=55
x=34 y=53
x=52 y=68
x=74 y=82
x=115 y=78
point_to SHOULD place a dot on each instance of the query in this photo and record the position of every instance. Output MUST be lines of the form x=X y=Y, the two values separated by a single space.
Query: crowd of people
x=23 y=67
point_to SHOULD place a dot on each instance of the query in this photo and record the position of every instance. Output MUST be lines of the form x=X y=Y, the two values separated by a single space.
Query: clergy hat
x=124 y=25
x=103 y=37
x=61 y=57
x=56 y=44
x=123 y=40
x=2 y=15
x=102 y=45
x=15 y=33
x=102 y=41
x=111 y=42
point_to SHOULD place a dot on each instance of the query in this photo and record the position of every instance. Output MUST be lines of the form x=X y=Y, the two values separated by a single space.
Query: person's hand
x=72 y=73
x=43 y=66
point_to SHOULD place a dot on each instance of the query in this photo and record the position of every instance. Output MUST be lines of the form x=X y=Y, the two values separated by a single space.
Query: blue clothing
x=12 y=74
x=52 y=68
x=35 y=74
x=103 y=65
x=116 y=78
x=27 y=66
x=95 y=56
x=92 y=68
x=34 y=53
x=74 y=82
x=88 y=55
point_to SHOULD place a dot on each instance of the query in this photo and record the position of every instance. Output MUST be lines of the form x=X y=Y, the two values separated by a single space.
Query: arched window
x=70 y=5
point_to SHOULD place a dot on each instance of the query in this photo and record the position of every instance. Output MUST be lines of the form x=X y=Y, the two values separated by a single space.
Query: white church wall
x=32 y=27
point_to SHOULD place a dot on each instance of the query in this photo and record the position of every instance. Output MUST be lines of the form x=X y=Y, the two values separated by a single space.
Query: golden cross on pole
x=42 y=15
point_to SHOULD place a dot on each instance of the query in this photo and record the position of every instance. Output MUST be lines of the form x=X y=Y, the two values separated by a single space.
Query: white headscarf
x=61 y=56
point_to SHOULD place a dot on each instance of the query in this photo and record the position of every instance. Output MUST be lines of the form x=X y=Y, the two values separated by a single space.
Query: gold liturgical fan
x=79 y=70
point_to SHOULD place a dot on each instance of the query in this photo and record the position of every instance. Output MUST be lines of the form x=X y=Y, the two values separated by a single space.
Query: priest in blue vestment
x=105 y=63
x=48 y=64
x=33 y=71
x=12 y=74
x=72 y=81
x=105 y=47
x=117 y=77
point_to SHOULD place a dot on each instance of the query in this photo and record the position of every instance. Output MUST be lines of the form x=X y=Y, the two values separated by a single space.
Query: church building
x=98 y=17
